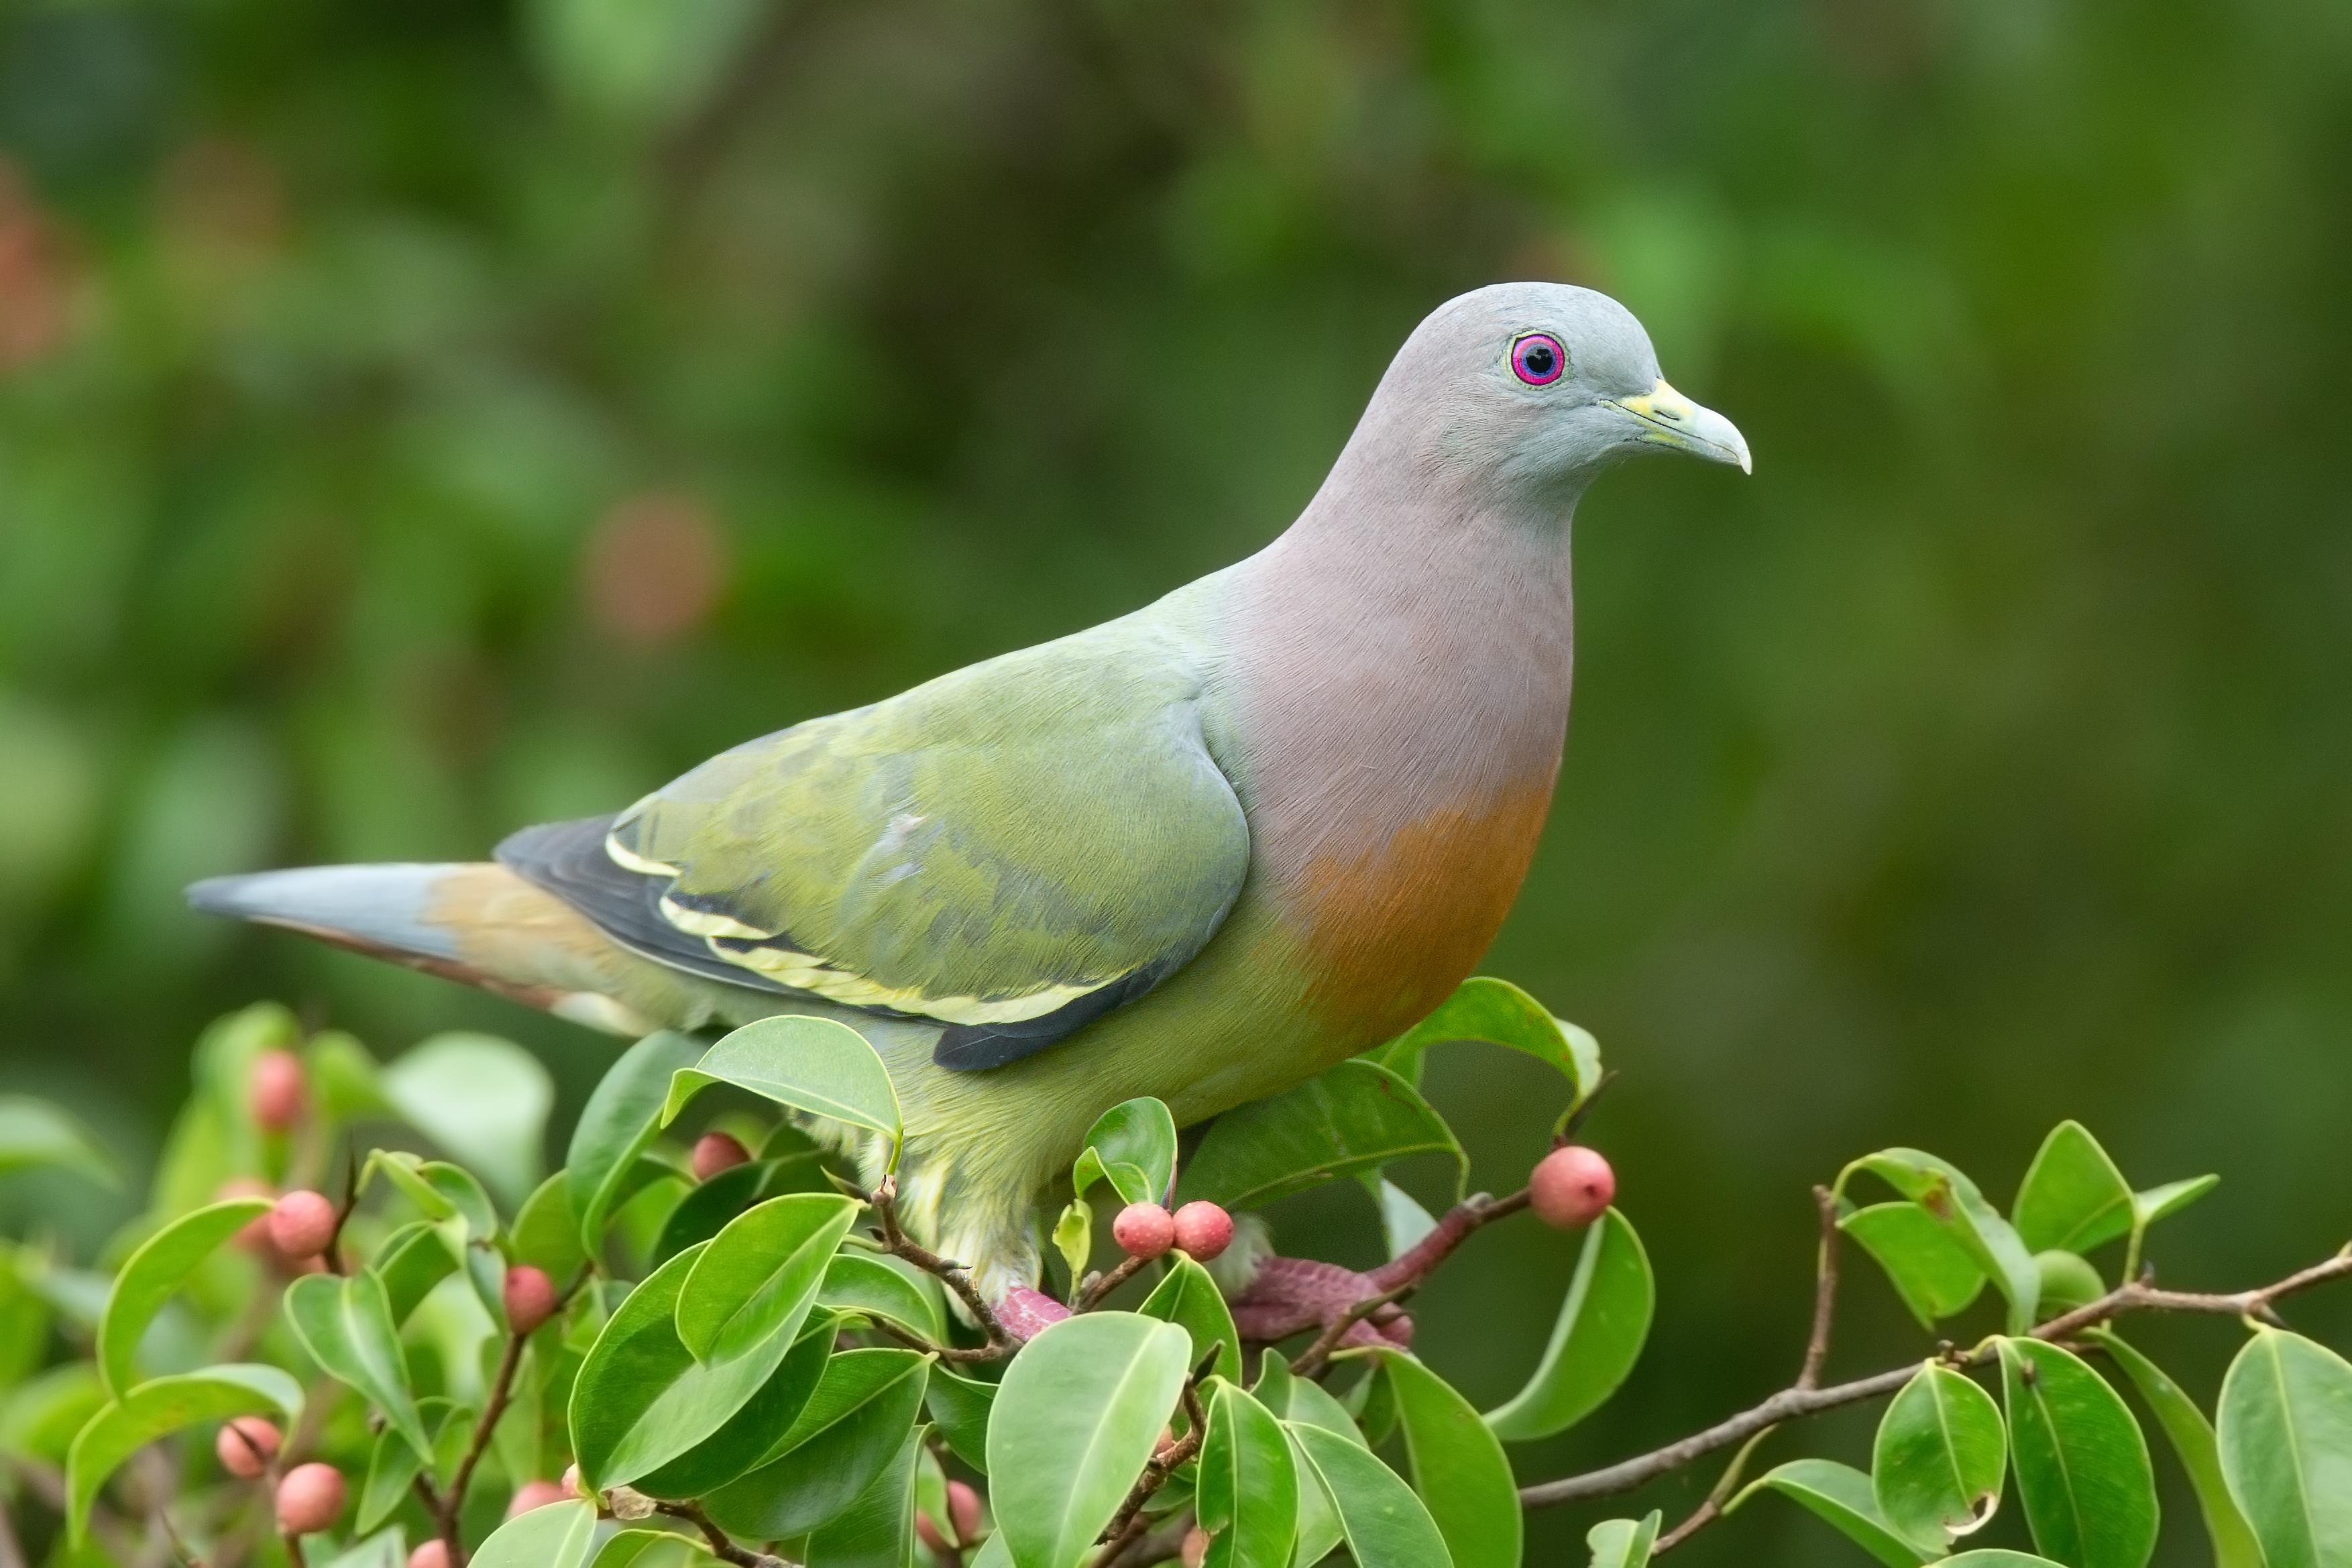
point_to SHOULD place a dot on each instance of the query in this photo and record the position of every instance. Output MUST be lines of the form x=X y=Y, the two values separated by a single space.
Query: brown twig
x=1711 y=1510
x=1417 y=1261
x=334 y=1249
x=721 y=1546
x=452 y=1502
x=1317 y=1356
x=1092 y=1295
x=1790 y=1404
x=1128 y=1522
x=883 y=1201
x=294 y=1550
x=1826 y=1283
x=1161 y=1545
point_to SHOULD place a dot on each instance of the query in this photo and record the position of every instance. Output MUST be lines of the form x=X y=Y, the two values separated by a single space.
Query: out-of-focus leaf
x=1356 y=1116
x=33 y=1133
x=1458 y=1467
x=747 y=1436
x=345 y=1082
x=345 y=1322
x=1188 y=1298
x=851 y=1428
x=2073 y=1197
x=413 y=1260
x=2285 y=1437
x=41 y=1415
x=959 y=1406
x=1403 y=1222
x=1622 y=1543
x=1953 y=1202
x=1998 y=1557
x=1133 y=1146
x=1498 y=1013
x=877 y=1529
x=149 y=1277
x=619 y=1121
x=2192 y=1435
x=159 y=1407
x=1077 y=1417
x=561 y=1535
x=1384 y=1524
x=1604 y=1322
x=1841 y=1496
x=2083 y=1472
x=1247 y=1496
x=643 y=66
x=758 y=1277
x=24 y=1319
x=483 y=1099
x=1932 y=1274
x=815 y=1065
x=546 y=1233
x=392 y=1465
x=1935 y=1467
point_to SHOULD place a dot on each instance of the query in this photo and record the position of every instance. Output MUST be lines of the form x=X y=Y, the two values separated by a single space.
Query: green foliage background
x=1981 y=761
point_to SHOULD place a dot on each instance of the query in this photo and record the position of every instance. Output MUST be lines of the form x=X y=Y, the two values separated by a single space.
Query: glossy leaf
x=1133 y=1146
x=1603 y=1321
x=1246 y=1496
x=705 y=1211
x=1383 y=1524
x=1932 y=1274
x=617 y=1124
x=2083 y=1473
x=1953 y=1202
x=1937 y=1465
x=746 y=1438
x=484 y=1100
x=1458 y=1467
x=1188 y=1298
x=1498 y=1012
x=2162 y=1202
x=413 y=1260
x=860 y=1282
x=546 y=1233
x=1356 y=1116
x=1076 y=1416
x=1998 y=1557
x=33 y=1133
x=959 y=1406
x=758 y=1277
x=2073 y=1197
x=164 y=1406
x=2068 y=1281
x=392 y=1465
x=2192 y=1435
x=1301 y=1401
x=2285 y=1441
x=1841 y=1496
x=815 y=1065
x=560 y=1535
x=851 y=1428
x=345 y=1322
x=1622 y=1543
x=149 y=1276
x=877 y=1529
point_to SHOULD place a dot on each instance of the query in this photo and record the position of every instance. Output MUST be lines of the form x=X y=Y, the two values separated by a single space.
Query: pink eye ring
x=1537 y=359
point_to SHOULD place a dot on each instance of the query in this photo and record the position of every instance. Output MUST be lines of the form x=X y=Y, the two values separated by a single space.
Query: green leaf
x=413 y=1260
x=758 y=1277
x=1602 y=1323
x=23 y=1317
x=1403 y=1222
x=546 y=1233
x=392 y=1464
x=1953 y=1202
x=159 y=1407
x=1073 y=1232
x=705 y=1211
x=852 y=1427
x=561 y=1535
x=345 y=1322
x=1188 y=1298
x=2286 y=1448
x=34 y=1134
x=1132 y=1145
x=959 y=1406
x=2068 y=1281
x=346 y=1083
x=641 y=1399
x=2192 y=1439
x=1498 y=1013
x=1301 y=1401
x=877 y=1529
x=1356 y=1116
x=1458 y=1467
x=816 y=1065
x=1384 y=1524
x=617 y=1124
x=1841 y=1496
x=2073 y=1197
x=1077 y=1417
x=1247 y=1495
x=649 y=1549
x=1935 y=1467
x=484 y=1100
x=1998 y=1557
x=39 y=1419
x=1622 y=1543
x=2083 y=1472
x=151 y=1275
x=1933 y=1273
x=856 y=1282
x=745 y=1440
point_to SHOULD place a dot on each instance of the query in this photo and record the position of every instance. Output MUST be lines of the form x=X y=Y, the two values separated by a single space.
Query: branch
x=1160 y=1545
x=1312 y=1361
x=884 y=1202
x=1826 y=1283
x=1128 y=1522
x=1099 y=1286
x=453 y=1501
x=1791 y=1404
x=722 y=1548
x=1415 y=1263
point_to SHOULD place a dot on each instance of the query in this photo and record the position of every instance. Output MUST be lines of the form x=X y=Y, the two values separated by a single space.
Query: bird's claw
x=1291 y=1295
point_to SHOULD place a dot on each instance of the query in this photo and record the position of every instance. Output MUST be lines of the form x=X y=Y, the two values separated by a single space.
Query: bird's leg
x=1286 y=1296
x=1026 y=1314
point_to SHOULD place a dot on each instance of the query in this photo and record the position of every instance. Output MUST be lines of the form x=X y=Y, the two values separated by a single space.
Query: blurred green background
x=422 y=418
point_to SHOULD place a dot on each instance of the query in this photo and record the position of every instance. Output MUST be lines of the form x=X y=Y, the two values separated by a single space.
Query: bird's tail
x=471 y=921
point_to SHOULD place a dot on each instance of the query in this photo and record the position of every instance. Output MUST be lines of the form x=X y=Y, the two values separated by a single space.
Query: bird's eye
x=1537 y=359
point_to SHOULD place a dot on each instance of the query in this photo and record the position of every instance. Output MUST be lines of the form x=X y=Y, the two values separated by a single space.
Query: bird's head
x=1538 y=386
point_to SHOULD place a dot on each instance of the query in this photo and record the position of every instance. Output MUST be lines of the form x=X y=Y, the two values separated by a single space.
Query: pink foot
x=1290 y=1295
x=1025 y=1314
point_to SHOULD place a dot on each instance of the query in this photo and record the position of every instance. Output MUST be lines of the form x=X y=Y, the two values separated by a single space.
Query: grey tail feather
x=381 y=906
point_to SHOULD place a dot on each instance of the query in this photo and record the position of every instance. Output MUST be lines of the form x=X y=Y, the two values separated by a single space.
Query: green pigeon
x=1203 y=852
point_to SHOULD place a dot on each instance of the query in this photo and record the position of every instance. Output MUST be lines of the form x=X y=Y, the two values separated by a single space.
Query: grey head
x=1532 y=389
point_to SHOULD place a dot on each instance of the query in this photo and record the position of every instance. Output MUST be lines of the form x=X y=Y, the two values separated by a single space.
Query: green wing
x=1011 y=849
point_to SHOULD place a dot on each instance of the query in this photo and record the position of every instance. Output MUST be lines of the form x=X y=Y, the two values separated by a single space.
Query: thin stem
x=334 y=1249
x=1312 y=1361
x=1103 y=1284
x=884 y=1202
x=1160 y=1545
x=294 y=1551
x=453 y=1501
x=1128 y=1522
x=1826 y=1283
x=1708 y=1511
x=722 y=1547
x=1418 y=1261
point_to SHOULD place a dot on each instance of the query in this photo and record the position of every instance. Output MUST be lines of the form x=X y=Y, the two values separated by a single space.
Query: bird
x=1203 y=852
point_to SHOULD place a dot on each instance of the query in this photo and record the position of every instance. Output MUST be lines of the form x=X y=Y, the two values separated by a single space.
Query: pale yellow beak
x=1670 y=419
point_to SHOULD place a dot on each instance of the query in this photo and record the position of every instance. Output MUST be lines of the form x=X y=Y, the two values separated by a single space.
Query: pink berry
x=1143 y=1230
x=309 y=1499
x=963 y=1511
x=302 y=1224
x=1571 y=1186
x=1202 y=1231
x=245 y=1446
x=434 y=1553
x=1195 y=1549
x=929 y=1534
x=276 y=1090
x=536 y=1494
x=529 y=1297
x=717 y=1151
